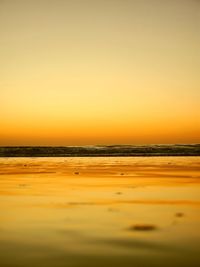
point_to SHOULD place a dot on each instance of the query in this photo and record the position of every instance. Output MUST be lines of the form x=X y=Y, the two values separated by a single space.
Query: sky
x=86 y=72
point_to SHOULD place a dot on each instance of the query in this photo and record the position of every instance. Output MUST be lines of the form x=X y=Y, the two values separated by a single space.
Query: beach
x=99 y=211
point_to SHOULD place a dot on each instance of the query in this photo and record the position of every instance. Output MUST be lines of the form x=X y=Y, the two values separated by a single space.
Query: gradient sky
x=80 y=72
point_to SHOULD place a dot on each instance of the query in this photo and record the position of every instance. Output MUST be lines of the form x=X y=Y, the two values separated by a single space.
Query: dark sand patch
x=143 y=227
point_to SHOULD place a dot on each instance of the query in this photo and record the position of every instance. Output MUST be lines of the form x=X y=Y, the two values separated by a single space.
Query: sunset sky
x=83 y=72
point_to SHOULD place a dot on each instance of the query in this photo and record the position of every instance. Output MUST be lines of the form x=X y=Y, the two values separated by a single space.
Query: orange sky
x=99 y=72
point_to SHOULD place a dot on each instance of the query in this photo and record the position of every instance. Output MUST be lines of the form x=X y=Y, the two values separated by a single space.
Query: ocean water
x=100 y=211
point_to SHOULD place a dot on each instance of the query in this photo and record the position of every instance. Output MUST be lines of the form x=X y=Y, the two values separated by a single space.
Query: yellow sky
x=77 y=72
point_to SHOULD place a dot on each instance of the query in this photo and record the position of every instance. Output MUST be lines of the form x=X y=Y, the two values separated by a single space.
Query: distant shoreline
x=101 y=151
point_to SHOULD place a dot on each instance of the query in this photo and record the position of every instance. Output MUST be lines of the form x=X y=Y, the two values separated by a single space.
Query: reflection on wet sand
x=100 y=211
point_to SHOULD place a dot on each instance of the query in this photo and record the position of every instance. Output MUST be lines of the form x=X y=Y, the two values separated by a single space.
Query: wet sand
x=100 y=212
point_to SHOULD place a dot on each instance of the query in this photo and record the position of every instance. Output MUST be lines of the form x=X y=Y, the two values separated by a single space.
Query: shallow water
x=100 y=212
